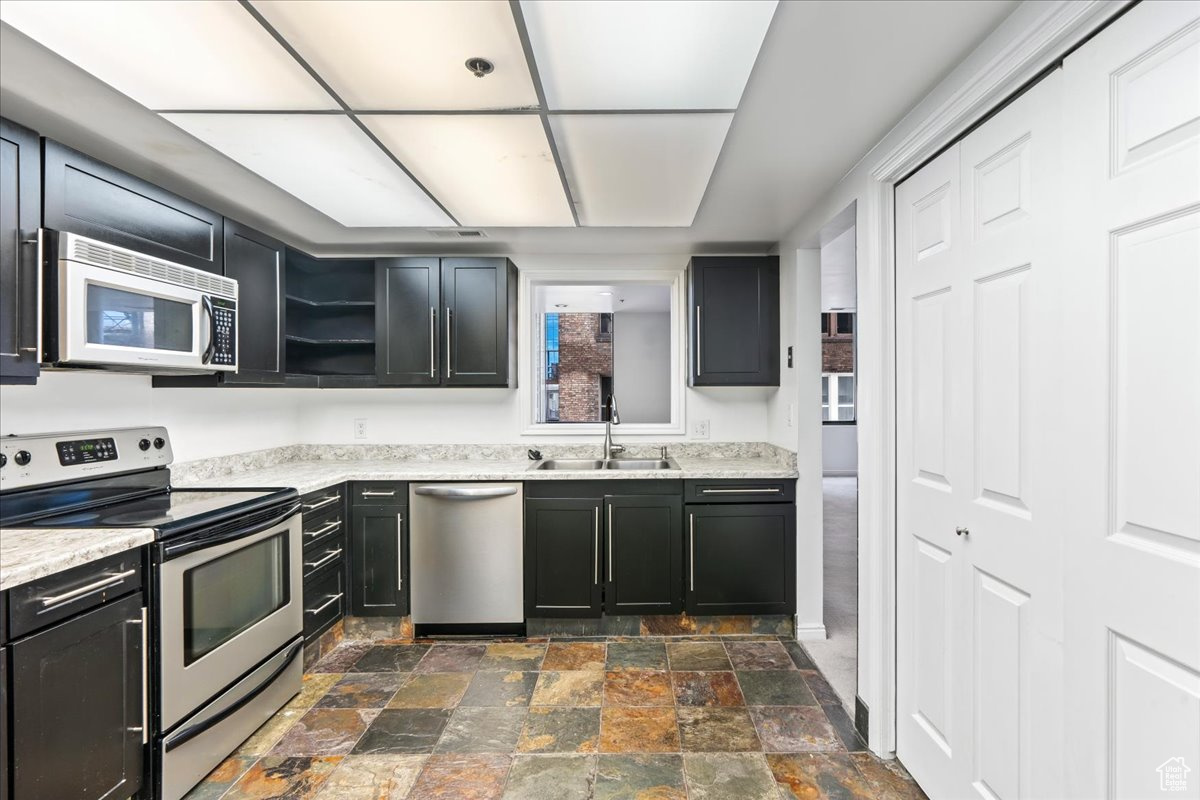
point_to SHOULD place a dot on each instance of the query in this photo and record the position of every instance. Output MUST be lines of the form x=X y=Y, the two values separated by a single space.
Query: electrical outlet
x=360 y=428
x=700 y=429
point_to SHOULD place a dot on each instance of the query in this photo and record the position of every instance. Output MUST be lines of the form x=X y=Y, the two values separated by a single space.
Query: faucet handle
x=663 y=452
x=618 y=448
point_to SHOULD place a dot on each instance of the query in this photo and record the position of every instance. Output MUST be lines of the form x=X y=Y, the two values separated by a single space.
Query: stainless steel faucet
x=614 y=418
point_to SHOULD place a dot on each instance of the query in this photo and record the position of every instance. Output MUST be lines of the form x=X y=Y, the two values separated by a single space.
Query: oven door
x=111 y=318
x=224 y=606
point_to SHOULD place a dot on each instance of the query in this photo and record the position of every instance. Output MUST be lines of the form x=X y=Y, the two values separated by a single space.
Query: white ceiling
x=602 y=299
x=830 y=80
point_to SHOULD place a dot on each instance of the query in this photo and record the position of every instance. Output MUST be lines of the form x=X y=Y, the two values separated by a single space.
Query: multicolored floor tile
x=362 y=690
x=455 y=776
x=375 y=777
x=638 y=730
x=698 y=656
x=403 y=730
x=636 y=655
x=724 y=776
x=550 y=729
x=342 y=657
x=802 y=776
x=717 y=730
x=772 y=687
x=500 y=689
x=390 y=658
x=451 y=658
x=296 y=778
x=639 y=777
x=758 y=655
x=637 y=687
x=217 y=782
x=557 y=777
x=432 y=690
x=270 y=732
x=573 y=656
x=574 y=688
x=483 y=730
x=324 y=732
x=888 y=780
x=513 y=657
x=794 y=729
x=315 y=685
x=706 y=689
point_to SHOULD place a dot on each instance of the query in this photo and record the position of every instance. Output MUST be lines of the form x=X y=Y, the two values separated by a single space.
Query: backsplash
x=207 y=468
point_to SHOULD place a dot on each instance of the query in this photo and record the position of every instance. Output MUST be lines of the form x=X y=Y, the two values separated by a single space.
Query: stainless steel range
x=226 y=586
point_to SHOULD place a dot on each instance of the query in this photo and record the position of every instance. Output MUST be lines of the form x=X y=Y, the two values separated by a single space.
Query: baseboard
x=861 y=718
x=810 y=633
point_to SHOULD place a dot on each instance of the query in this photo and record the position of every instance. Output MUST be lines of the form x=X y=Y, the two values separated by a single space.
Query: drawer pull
x=332 y=526
x=324 y=501
x=771 y=490
x=325 y=605
x=373 y=493
x=320 y=562
x=111 y=580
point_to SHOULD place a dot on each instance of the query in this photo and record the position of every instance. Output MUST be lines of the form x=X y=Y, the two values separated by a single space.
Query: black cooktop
x=165 y=511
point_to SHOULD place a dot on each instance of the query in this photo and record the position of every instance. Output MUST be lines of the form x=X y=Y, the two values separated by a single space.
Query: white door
x=1131 y=407
x=979 y=605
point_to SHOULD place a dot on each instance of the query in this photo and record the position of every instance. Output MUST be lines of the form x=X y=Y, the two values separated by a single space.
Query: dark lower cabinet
x=20 y=216
x=562 y=557
x=644 y=548
x=741 y=559
x=4 y=737
x=378 y=560
x=77 y=713
x=734 y=325
x=323 y=531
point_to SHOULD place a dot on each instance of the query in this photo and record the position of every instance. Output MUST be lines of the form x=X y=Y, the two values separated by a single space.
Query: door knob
x=962 y=532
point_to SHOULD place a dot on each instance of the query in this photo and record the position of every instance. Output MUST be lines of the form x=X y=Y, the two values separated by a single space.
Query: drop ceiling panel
x=408 y=55
x=173 y=55
x=653 y=54
x=324 y=160
x=643 y=170
x=488 y=170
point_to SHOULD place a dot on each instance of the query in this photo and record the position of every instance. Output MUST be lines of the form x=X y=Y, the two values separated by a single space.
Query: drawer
x=320 y=501
x=380 y=493
x=52 y=599
x=331 y=551
x=322 y=528
x=324 y=601
x=781 y=490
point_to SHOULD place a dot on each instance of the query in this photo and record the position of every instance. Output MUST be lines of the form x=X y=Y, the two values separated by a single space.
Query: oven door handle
x=207 y=306
x=171 y=551
x=189 y=733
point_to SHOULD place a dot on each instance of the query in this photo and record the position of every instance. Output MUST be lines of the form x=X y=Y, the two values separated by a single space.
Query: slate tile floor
x=701 y=718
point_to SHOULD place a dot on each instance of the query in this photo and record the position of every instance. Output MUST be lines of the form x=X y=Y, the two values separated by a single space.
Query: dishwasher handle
x=465 y=492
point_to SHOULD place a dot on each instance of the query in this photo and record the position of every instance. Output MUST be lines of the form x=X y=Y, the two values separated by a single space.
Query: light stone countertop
x=309 y=476
x=27 y=554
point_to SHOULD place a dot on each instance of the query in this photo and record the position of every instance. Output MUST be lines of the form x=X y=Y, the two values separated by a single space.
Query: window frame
x=529 y=352
x=829 y=384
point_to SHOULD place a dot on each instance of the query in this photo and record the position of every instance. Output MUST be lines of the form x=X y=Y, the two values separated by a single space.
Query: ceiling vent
x=451 y=233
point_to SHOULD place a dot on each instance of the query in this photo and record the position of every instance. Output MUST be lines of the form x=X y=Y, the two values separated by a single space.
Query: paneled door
x=979 y=569
x=1131 y=407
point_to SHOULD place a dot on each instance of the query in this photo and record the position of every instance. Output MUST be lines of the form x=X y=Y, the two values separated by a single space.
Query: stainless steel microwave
x=114 y=308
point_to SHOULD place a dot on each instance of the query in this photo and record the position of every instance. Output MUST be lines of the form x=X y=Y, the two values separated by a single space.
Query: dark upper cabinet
x=479 y=300
x=741 y=559
x=378 y=560
x=20 y=216
x=643 y=554
x=88 y=197
x=256 y=262
x=76 y=706
x=407 y=333
x=734 y=326
x=562 y=557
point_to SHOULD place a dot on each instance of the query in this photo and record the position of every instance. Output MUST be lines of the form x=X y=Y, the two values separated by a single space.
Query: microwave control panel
x=224 y=332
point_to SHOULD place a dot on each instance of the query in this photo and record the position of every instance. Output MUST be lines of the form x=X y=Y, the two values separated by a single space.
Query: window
x=838 y=387
x=837 y=366
x=591 y=342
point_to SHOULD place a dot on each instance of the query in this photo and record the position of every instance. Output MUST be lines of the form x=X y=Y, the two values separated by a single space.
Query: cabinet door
x=644 y=550
x=256 y=262
x=4 y=737
x=562 y=558
x=479 y=300
x=734 y=330
x=20 y=215
x=379 y=559
x=89 y=197
x=407 y=312
x=741 y=559
x=77 y=712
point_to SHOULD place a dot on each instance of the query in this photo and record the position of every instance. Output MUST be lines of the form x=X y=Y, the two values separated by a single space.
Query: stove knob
x=144 y=444
x=159 y=443
x=3 y=459
x=22 y=457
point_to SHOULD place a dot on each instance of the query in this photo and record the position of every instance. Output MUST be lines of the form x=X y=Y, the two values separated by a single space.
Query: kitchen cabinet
x=88 y=197
x=379 y=549
x=733 y=333
x=644 y=548
x=77 y=707
x=562 y=557
x=4 y=737
x=323 y=533
x=20 y=217
x=446 y=322
x=330 y=339
x=740 y=558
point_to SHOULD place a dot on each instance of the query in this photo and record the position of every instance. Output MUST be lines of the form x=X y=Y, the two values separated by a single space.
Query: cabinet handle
x=698 y=345
x=320 y=562
x=37 y=273
x=691 y=552
x=111 y=580
x=596 y=545
x=325 y=605
x=772 y=490
x=332 y=526
x=432 y=342
x=610 y=547
x=449 y=349
x=374 y=493
x=145 y=729
x=324 y=501
x=399 y=552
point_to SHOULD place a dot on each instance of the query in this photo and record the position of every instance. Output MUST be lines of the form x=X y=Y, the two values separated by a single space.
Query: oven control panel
x=49 y=458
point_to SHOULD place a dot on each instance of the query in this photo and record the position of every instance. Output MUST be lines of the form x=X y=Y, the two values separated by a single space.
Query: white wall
x=642 y=365
x=839 y=449
x=837 y=272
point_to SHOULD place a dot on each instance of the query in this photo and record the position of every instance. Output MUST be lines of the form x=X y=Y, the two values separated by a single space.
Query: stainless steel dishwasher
x=467 y=566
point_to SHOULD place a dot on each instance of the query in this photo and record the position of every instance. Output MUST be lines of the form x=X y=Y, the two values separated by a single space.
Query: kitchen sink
x=570 y=463
x=640 y=463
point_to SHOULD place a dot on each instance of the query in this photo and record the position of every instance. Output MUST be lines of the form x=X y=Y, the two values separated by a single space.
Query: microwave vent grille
x=103 y=255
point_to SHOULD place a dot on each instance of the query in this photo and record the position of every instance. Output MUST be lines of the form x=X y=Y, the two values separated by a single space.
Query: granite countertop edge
x=27 y=554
